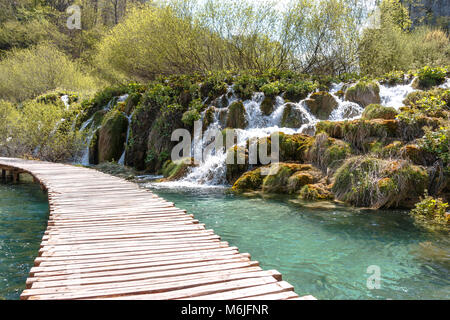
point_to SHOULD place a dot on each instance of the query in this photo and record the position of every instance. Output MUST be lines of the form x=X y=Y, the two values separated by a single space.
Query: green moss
x=327 y=153
x=278 y=183
x=376 y=111
x=112 y=136
x=175 y=170
x=267 y=105
x=315 y=192
x=251 y=180
x=358 y=132
x=236 y=116
x=376 y=183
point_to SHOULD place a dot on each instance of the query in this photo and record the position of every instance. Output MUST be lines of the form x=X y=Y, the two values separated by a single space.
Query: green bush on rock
x=372 y=182
x=428 y=77
x=431 y=211
x=376 y=111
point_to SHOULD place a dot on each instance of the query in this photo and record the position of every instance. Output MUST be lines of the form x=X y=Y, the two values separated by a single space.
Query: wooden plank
x=108 y=238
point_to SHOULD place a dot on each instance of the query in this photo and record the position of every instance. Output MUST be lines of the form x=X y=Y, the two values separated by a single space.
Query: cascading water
x=122 y=157
x=212 y=170
x=393 y=96
x=90 y=127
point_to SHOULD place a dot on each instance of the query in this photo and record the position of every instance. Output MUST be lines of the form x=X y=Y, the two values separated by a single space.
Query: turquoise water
x=325 y=251
x=23 y=218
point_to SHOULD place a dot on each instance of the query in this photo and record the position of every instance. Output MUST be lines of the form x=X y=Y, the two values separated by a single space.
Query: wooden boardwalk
x=109 y=239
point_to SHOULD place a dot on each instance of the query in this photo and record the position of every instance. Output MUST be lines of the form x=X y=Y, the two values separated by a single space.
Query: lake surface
x=23 y=219
x=321 y=249
x=326 y=250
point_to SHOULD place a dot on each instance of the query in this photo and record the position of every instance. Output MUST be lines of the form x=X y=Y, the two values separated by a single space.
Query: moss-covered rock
x=236 y=116
x=208 y=118
x=237 y=163
x=141 y=124
x=292 y=147
x=327 y=153
x=428 y=77
x=267 y=106
x=358 y=132
x=131 y=102
x=293 y=116
x=364 y=93
x=112 y=136
x=287 y=179
x=372 y=182
x=416 y=155
x=249 y=181
x=175 y=170
x=314 y=192
x=321 y=104
x=377 y=111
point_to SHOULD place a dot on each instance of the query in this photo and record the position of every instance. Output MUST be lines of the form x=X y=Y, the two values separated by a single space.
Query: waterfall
x=65 y=100
x=91 y=128
x=122 y=157
x=212 y=171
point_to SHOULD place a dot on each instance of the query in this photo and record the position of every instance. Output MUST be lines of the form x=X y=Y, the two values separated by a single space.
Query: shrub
x=190 y=116
x=26 y=73
x=272 y=89
x=393 y=78
x=431 y=210
x=299 y=90
x=429 y=77
x=438 y=142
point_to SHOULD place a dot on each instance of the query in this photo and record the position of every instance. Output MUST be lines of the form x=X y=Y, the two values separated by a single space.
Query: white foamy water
x=65 y=100
x=393 y=96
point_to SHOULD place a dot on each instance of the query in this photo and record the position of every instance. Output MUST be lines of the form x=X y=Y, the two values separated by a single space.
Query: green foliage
x=431 y=210
x=272 y=89
x=39 y=130
x=190 y=116
x=393 y=78
x=299 y=90
x=438 y=143
x=429 y=77
x=389 y=45
x=26 y=73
